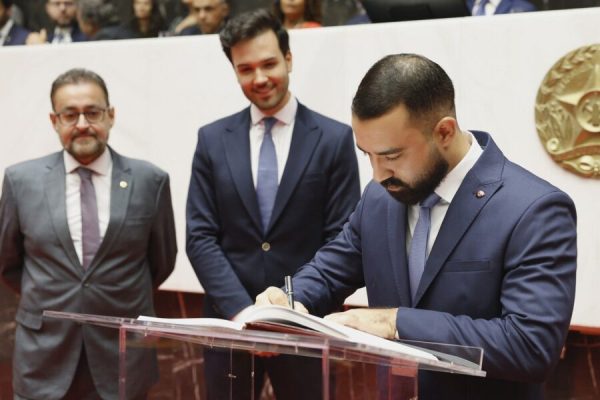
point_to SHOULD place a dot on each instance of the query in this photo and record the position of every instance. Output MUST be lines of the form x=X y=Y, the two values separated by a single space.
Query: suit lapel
x=236 y=140
x=484 y=177
x=305 y=137
x=55 y=196
x=396 y=231
x=503 y=7
x=120 y=191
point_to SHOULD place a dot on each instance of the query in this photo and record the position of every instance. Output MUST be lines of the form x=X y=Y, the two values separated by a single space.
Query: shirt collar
x=450 y=184
x=5 y=30
x=285 y=115
x=100 y=165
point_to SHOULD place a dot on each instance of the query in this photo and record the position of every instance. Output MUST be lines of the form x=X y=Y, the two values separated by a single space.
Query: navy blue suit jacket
x=508 y=6
x=232 y=257
x=76 y=35
x=500 y=276
x=16 y=36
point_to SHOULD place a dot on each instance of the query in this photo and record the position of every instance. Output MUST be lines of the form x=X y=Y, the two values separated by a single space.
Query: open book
x=282 y=319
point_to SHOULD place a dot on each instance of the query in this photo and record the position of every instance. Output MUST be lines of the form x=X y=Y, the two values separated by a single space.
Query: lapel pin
x=123 y=184
x=480 y=194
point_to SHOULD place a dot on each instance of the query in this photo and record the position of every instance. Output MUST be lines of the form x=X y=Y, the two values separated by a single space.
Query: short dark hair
x=75 y=76
x=98 y=12
x=412 y=80
x=249 y=25
x=7 y=3
x=312 y=10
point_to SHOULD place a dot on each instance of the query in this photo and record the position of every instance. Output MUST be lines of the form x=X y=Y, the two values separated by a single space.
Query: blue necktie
x=90 y=227
x=418 y=245
x=481 y=8
x=266 y=180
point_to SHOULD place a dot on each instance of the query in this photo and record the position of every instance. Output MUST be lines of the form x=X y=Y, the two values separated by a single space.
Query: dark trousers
x=82 y=387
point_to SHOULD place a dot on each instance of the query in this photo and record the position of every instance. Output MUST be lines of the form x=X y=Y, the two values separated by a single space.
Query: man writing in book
x=269 y=186
x=454 y=243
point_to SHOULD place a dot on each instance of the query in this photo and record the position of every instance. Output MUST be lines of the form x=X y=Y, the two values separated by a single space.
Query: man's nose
x=260 y=77
x=82 y=122
x=380 y=172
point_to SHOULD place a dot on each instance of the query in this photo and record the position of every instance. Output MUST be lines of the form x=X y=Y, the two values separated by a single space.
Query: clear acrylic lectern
x=348 y=370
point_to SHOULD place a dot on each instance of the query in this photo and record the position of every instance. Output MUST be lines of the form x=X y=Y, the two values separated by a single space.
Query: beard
x=416 y=192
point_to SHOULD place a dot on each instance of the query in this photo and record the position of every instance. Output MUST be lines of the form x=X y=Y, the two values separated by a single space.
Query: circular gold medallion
x=567 y=111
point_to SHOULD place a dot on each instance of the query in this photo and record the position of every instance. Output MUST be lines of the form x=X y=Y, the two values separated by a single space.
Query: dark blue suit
x=232 y=257
x=16 y=36
x=508 y=6
x=76 y=35
x=500 y=275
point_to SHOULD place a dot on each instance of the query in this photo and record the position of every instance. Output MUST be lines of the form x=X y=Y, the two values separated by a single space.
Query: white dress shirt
x=446 y=190
x=101 y=178
x=5 y=30
x=490 y=7
x=281 y=133
x=62 y=35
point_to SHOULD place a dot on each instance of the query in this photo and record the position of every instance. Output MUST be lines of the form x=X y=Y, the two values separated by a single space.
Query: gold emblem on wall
x=567 y=111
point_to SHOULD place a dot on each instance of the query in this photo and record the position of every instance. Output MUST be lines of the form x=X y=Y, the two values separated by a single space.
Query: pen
x=289 y=290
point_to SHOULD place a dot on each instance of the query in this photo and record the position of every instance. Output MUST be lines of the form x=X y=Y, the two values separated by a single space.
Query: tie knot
x=269 y=123
x=430 y=201
x=85 y=173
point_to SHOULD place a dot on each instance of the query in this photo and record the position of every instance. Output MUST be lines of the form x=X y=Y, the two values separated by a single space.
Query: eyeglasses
x=71 y=117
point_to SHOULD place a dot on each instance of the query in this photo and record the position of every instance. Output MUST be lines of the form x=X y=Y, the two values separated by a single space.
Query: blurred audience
x=99 y=20
x=492 y=7
x=210 y=16
x=360 y=15
x=62 y=14
x=187 y=19
x=295 y=14
x=147 y=22
x=10 y=33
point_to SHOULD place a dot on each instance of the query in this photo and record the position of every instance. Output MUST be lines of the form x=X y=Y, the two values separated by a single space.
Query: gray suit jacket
x=38 y=260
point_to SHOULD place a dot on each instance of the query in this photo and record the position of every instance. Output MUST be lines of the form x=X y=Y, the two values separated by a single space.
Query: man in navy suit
x=492 y=7
x=237 y=245
x=498 y=266
x=11 y=34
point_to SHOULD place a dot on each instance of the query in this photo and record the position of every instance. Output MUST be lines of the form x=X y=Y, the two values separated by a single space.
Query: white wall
x=163 y=90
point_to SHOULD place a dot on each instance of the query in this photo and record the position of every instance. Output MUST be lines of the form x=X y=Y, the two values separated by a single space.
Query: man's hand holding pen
x=275 y=296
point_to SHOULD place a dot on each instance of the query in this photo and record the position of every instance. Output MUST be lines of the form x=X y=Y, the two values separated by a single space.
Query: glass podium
x=177 y=357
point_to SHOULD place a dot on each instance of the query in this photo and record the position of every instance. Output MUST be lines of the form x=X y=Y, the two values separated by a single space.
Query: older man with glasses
x=83 y=230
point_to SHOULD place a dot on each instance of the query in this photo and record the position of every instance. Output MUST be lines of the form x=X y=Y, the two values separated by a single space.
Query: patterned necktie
x=481 y=8
x=266 y=180
x=90 y=227
x=418 y=245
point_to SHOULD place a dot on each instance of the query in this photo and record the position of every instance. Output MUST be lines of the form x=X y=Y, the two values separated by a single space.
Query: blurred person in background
x=10 y=33
x=210 y=17
x=147 y=22
x=98 y=20
x=185 y=19
x=63 y=17
x=295 y=14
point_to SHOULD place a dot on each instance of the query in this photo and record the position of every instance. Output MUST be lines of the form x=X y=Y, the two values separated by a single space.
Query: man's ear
x=53 y=119
x=288 y=61
x=445 y=130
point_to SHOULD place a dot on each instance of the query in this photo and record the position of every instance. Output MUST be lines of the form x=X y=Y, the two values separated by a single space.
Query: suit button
x=266 y=246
